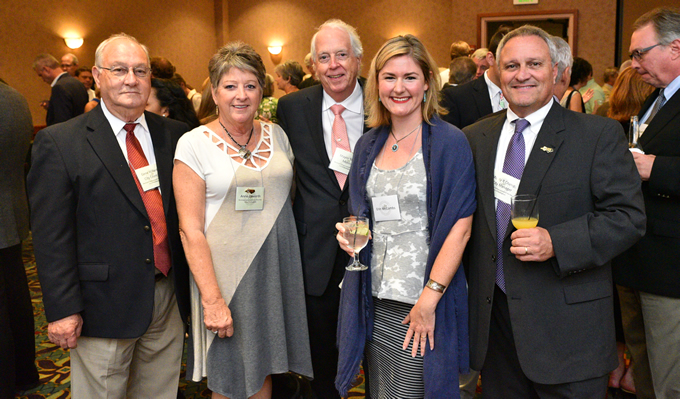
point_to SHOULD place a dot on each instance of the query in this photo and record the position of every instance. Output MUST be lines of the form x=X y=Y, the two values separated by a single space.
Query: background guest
x=610 y=75
x=267 y=109
x=84 y=74
x=572 y=98
x=168 y=99
x=461 y=70
x=288 y=76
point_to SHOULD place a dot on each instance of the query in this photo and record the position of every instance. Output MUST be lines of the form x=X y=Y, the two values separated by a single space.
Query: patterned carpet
x=53 y=362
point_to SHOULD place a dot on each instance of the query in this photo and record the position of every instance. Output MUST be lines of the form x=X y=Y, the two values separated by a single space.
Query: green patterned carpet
x=53 y=362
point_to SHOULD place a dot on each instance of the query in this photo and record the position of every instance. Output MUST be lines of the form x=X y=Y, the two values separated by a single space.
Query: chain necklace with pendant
x=395 y=146
x=243 y=151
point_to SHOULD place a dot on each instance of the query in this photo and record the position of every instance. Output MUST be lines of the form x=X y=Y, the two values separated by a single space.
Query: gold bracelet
x=435 y=286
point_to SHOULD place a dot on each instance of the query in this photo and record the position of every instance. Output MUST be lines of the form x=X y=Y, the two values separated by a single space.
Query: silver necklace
x=395 y=146
x=243 y=151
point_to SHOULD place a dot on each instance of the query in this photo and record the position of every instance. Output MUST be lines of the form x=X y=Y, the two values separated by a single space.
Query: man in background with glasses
x=649 y=274
x=106 y=235
x=68 y=96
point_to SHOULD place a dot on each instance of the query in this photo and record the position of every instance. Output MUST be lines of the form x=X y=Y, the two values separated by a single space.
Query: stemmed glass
x=524 y=211
x=356 y=232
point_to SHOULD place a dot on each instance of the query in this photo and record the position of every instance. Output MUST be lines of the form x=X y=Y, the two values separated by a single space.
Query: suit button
x=493 y=258
x=342 y=202
x=147 y=228
x=488 y=300
x=147 y=261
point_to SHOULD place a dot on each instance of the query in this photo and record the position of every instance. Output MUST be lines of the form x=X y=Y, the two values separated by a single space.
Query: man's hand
x=532 y=245
x=644 y=164
x=66 y=331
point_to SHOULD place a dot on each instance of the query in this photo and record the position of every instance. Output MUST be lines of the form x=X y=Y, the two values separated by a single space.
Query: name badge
x=148 y=177
x=504 y=186
x=386 y=208
x=249 y=198
x=342 y=161
x=642 y=128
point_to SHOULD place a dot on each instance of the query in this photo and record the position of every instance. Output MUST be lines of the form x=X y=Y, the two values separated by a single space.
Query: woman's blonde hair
x=409 y=45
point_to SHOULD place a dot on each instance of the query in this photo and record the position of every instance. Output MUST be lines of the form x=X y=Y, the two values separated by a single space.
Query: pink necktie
x=339 y=138
x=153 y=202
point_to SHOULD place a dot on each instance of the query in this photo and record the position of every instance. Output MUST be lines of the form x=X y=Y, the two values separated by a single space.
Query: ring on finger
x=526 y=251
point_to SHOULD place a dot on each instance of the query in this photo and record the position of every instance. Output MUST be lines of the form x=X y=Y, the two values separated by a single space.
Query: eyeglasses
x=66 y=65
x=638 y=54
x=121 y=72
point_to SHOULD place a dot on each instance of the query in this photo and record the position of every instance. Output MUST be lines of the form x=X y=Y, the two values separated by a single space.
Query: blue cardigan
x=450 y=196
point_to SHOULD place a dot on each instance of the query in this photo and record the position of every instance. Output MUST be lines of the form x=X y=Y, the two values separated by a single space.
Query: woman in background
x=267 y=109
x=422 y=166
x=168 y=99
x=289 y=76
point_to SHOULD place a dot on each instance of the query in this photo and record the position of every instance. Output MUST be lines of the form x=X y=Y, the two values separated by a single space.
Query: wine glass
x=524 y=211
x=356 y=232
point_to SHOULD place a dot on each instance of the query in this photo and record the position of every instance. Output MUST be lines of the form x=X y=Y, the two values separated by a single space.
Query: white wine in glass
x=524 y=211
x=356 y=232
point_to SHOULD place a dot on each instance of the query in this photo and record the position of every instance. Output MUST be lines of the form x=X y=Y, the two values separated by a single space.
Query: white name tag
x=342 y=161
x=148 y=177
x=504 y=186
x=642 y=128
x=249 y=198
x=386 y=208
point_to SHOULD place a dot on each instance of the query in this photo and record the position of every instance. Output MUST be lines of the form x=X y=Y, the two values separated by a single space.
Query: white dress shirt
x=353 y=116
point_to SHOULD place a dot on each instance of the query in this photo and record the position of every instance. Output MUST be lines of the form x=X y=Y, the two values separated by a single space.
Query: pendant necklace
x=395 y=146
x=243 y=152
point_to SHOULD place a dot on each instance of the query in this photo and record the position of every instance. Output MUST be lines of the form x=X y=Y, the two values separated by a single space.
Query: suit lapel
x=481 y=96
x=164 y=157
x=666 y=114
x=104 y=143
x=486 y=156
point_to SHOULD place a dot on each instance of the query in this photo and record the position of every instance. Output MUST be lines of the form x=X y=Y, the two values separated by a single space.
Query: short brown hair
x=236 y=55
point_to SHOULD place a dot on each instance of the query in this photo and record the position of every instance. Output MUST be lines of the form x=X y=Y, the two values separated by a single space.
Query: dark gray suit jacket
x=652 y=264
x=590 y=202
x=67 y=101
x=466 y=103
x=91 y=233
x=319 y=202
x=16 y=130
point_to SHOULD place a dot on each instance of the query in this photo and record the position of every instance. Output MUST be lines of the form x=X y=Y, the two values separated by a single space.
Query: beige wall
x=184 y=34
x=188 y=34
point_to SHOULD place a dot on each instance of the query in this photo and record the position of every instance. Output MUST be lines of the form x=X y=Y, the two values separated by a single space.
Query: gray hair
x=354 y=40
x=480 y=53
x=118 y=36
x=46 y=60
x=74 y=59
x=564 y=58
x=236 y=55
x=666 y=22
x=529 y=30
x=291 y=70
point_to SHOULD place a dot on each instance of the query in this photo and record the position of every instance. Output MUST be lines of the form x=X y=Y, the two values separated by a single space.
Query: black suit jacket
x=91 y=233
x=67 y=101
x=589 y=200
x=652 y=264
x=319 y=202
x=466 y=103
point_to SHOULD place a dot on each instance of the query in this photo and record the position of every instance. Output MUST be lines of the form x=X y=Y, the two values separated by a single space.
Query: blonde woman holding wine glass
x=412 y=175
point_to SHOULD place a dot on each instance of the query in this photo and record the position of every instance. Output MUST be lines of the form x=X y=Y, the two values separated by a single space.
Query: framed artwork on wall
x=562 y=23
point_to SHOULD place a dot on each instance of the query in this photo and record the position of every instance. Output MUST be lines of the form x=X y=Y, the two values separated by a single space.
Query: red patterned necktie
x=339 y=138
x=153 y=202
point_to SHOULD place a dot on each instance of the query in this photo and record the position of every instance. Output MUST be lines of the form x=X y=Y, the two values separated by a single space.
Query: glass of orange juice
x=524 y=211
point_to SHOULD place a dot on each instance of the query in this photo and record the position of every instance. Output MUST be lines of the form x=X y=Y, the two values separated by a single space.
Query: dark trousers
x=322 y=319
x=17 y=334
x=502 y=376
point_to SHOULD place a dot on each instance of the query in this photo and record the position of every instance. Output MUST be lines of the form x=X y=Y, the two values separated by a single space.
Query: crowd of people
x=166 y=210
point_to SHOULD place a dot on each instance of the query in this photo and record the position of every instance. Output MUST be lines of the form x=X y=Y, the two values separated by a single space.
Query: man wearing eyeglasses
x=67 y=97
x=649 y=273
x=69 y=63
x=105 y=233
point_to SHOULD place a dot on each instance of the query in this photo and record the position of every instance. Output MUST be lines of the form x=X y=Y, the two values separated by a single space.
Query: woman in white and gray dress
x=232 y=181
x=420 y=167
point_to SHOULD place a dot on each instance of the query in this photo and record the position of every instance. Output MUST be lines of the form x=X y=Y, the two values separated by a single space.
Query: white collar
x=353 y=103
x=54 y=82
x=117 y=124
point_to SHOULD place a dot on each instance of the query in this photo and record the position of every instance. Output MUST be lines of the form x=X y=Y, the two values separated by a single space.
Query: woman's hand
x=217 y=318
x=421 y=319
x=588 y=95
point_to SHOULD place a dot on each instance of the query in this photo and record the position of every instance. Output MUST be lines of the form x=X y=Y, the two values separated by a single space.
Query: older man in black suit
x=312 y=118
x=541 y=312
x=106 y=235
x=68 y=97
x=651 y=304
x=469 y=102
x=17 y=337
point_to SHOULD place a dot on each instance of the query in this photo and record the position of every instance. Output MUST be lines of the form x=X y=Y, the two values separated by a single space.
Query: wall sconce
x=275 y=53
x=73 y=42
